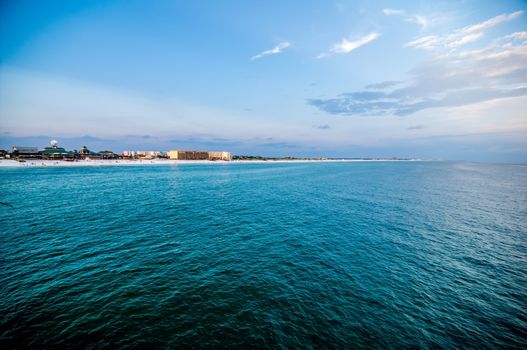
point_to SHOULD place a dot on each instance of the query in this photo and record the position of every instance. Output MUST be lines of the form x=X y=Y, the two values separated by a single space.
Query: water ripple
x=322 y=255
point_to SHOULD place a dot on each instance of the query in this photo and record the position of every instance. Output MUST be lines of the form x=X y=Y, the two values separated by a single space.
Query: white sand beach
x=136 y=162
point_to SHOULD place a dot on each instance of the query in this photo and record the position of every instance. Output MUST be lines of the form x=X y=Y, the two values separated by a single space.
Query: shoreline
x=10 y=163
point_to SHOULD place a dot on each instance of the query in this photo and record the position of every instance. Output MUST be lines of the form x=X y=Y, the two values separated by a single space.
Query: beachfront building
x=85 y=153
x=108 y=155
x=220 y=156
x=20 y=153
x=142 y=154
x=56 y=153
x=149 y=155
x=188 y=155
x=128 y=154
x=198 y=155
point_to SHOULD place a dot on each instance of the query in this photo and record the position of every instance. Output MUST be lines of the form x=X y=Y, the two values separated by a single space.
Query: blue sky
x=430 y=79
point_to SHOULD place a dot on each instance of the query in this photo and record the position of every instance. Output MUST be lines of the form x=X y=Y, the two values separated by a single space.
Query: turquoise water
x=307 y=255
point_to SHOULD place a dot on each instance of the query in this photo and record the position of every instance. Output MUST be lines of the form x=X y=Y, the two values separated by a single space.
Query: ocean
x=278 y=255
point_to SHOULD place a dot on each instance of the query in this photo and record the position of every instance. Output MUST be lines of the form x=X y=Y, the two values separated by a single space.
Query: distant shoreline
x=10 y=163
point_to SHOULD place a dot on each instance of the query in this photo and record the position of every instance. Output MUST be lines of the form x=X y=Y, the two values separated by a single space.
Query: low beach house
x=20 y=153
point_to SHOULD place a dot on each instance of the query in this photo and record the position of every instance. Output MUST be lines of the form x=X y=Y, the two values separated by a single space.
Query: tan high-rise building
x=198 y=155
x=188 y=155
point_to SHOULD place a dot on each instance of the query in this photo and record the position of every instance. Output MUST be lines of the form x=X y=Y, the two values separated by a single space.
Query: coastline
x=10 y=163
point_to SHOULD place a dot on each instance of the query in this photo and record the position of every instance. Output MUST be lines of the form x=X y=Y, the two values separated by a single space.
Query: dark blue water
x=316 y=255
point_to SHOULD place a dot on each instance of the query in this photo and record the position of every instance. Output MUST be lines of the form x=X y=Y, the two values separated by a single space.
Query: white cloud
x=347 y=46
x=517 y=36
x=392 y=12
x=427 y=42
x=419 y=19
x=275 y=50
x=462 y=36
x=422 y=20
x=466 y=39
x=492 y=22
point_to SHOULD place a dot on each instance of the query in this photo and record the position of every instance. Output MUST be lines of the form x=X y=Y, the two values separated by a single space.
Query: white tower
x=54 y=143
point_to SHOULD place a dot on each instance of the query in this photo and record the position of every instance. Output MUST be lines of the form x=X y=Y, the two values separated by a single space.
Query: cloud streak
x=275 y=50
x=461 y=36
x=346 y=46
x=382 y=85
x=419 y=19
x=392 y=12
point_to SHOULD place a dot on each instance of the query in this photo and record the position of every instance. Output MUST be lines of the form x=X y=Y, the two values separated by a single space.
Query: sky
x=421 y=79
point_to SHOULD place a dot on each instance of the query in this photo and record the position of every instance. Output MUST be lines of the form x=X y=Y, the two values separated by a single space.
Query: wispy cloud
x=466 y=39
x=492 y=22
x=275 y=50
x=461 y=36
x=517 y=36
x=347 y=46
x=382 y=85
x=423 y=21
x=392 y=12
